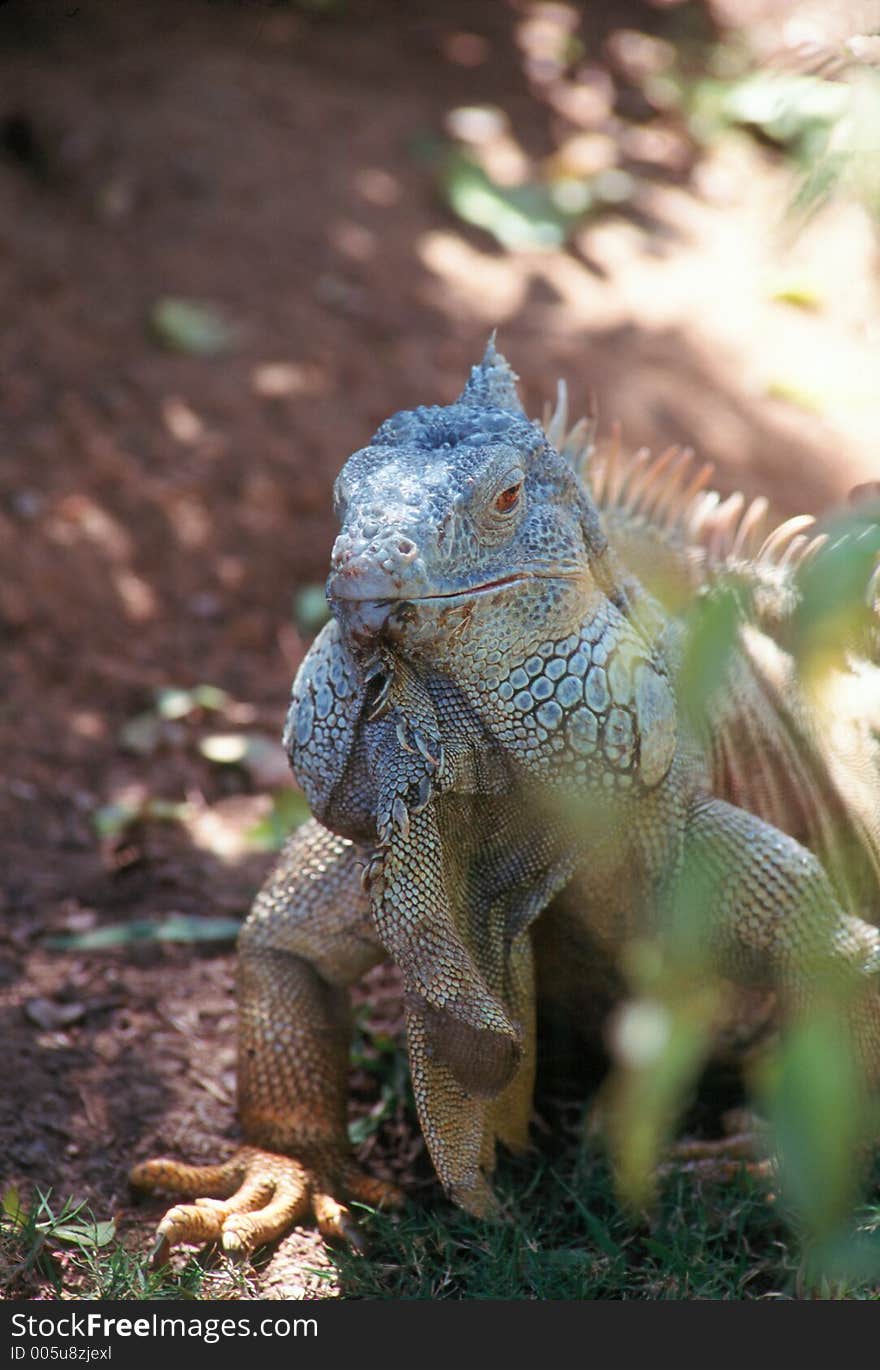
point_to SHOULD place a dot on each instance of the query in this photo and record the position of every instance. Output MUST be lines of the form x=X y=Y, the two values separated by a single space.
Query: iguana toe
x=743 y=1147
x=167 y=1174
x=264 y=1194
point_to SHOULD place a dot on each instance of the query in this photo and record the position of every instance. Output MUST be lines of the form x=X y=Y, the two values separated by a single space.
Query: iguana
x=505 y=788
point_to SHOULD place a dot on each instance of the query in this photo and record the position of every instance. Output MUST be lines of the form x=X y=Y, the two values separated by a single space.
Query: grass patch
x=565 y=1236
x=58 y=1247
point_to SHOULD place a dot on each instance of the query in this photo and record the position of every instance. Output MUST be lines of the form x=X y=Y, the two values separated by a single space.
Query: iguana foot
x=743 y=1147
x=256 y=1196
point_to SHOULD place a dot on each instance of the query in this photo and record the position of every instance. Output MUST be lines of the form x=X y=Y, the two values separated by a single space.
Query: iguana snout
x=375 y=566
x=376 y=562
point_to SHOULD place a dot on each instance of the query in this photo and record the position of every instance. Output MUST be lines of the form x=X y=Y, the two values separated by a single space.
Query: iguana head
x=462 y=520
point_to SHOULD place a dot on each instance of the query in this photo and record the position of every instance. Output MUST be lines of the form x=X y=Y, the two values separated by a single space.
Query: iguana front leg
x=463 y=1045
x=466 y=1037
x=308 y=937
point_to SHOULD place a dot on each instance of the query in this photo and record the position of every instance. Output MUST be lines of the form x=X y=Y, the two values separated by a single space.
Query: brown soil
x=158 y=511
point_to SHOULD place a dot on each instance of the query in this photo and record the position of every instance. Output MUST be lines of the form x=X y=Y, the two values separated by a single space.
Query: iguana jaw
x=366 y=616
x=344 y=593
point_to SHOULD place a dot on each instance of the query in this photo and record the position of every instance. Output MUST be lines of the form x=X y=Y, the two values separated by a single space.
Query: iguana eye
x=509 y=498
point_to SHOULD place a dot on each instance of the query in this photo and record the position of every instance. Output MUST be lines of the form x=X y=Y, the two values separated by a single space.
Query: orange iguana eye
x=508 y=498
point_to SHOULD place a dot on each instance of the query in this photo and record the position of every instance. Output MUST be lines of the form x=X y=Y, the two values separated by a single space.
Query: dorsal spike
x=555 y=422
x=492 y=383
x=772 y=547
x=750 y=525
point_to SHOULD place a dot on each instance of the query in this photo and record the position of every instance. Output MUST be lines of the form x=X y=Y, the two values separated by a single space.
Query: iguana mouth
x=465 y=592
x=470 y=590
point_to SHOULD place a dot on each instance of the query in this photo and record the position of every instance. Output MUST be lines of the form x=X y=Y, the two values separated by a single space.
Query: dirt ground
x=160 y=510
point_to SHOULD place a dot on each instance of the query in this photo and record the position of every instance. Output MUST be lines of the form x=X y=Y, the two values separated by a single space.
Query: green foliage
x=114 y=820
x=178 y=927
x=661 y=1045
x=143 y=733
x=174 y=702
x=310 y=609
x=289 y=810
x=814 y=1099
x=830 y=129
x=795 y=392
x=808 y=1084
x=564 y=1235
x=798 y=292
x=834 y=614
x=793 y=110
x=848 y=162
x=29 y=1236
x=81 y=1257
x=522 y=216
x=383 y=1058
x=711 y=634
x=188 y=326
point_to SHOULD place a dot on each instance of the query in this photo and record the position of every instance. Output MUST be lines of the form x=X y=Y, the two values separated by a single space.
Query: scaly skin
x=489 y=726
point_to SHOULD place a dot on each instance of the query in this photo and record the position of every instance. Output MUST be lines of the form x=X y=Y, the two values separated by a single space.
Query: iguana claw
x=255 y=1197
x=424 y=749
x=400 y=816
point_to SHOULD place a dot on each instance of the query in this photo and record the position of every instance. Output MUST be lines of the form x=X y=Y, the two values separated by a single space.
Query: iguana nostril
x=407 y=549
x=340 y=553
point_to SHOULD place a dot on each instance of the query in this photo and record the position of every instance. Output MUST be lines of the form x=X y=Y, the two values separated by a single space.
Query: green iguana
x=505 y=787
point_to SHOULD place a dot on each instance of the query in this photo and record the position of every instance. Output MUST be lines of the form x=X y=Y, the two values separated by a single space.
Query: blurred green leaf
x=711 y=636
x=794 y=392
x=787 y=107
x=11 y=1204
x=842 y=1263
x=814 y=1098
x=831 y=128
x=178 y=928
x=187 y=326
x=659 y=1047
x=141 y=734
x=526 y=216
x=795 y=110
x=112 y=819
x=800 y=294
x=360 y=1129
x=833 y=614
x=819 y=183
x=848 y=161
x=176 y=703
x=262 y=757
x=166 y=810
x=289 y=809
x=310 y=609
